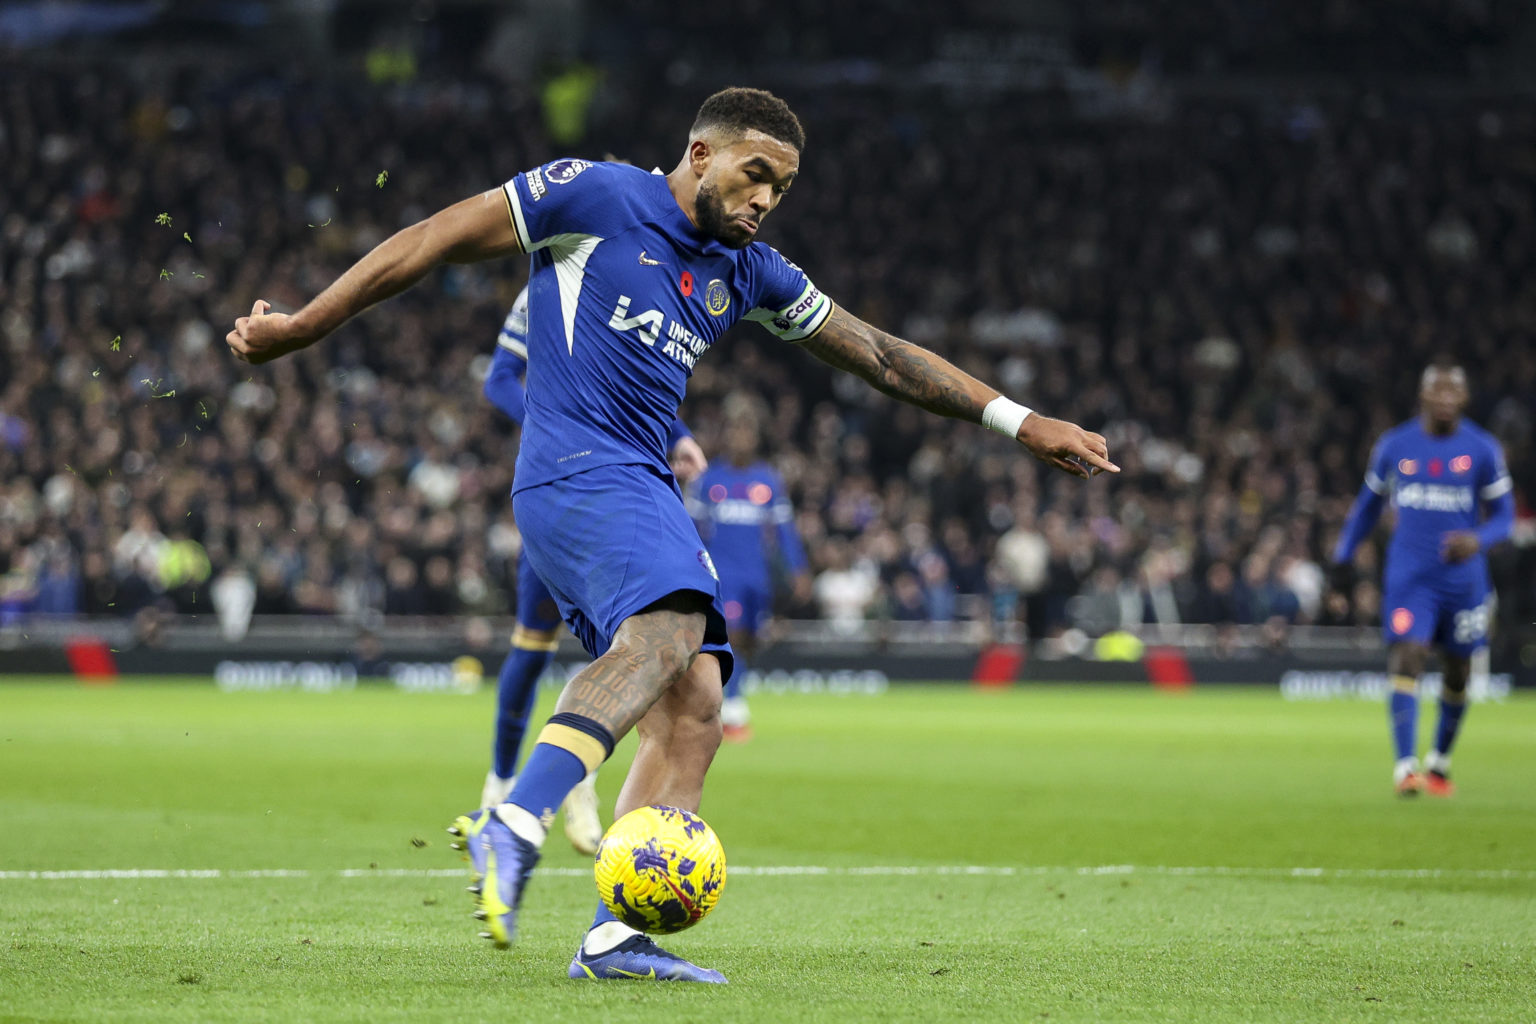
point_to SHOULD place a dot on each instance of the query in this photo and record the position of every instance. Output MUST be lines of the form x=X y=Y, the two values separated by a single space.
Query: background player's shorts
x=609 y=542
x=747 y=609
x=536 y=607
x=1456 y=620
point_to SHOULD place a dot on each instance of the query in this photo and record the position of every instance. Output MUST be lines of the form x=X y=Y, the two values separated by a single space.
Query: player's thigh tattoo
x=648 y=654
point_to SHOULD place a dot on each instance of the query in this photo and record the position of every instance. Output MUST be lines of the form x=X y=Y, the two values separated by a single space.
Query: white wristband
x=1004 y=416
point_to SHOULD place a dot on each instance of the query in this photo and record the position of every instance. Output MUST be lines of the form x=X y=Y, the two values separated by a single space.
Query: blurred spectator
x=1023 y=559
x=846 y=592
x=57 y=590
x=938 y=588
x=1217 y=603
x=234 y=599
x=908 y=601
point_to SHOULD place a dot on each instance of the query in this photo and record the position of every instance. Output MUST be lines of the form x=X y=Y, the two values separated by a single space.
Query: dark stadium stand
x=1239 y=292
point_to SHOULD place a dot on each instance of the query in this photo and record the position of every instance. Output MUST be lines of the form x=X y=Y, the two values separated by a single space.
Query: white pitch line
x=792 y=870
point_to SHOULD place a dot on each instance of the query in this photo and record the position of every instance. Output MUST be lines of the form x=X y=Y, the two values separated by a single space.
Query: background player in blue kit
x=538 y=617
x=745 y=517
x=1440 y=472
x=634 y=277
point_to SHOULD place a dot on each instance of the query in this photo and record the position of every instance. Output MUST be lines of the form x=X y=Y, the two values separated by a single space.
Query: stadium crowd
x=1240 y=294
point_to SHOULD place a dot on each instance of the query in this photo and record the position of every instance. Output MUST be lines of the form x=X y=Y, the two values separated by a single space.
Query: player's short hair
x=738 y=110
x=1444 y=365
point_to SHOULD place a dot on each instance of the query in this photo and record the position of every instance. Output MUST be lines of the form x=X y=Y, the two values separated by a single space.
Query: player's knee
x=1453 y=681
x=700 y=690
x=1406 y=660
x=688 y=714
x=693 y=706
x=696 y=727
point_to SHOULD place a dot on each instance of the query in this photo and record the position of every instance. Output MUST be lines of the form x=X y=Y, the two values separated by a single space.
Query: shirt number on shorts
x=1471 y=624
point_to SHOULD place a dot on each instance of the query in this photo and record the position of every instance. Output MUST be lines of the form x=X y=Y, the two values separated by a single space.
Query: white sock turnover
x=523 y=823
x=601 y=938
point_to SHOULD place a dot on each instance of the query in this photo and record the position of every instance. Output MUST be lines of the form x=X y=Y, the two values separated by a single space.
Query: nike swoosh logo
x=631 y=974
x=644 y=262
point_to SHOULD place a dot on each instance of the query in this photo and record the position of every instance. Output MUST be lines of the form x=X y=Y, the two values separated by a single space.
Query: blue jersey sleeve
x=504 y=384
x=563 y=197
x=790 y=547
x=1379 y=471
x=785 y=301
x=1496 y=489
x=1368 y=504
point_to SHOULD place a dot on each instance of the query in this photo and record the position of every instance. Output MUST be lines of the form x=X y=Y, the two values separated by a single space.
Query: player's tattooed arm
x=478 y=228
x=913 y=374
x=898 y=368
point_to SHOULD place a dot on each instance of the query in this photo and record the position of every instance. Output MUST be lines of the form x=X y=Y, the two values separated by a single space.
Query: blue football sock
x=1450 y=723
x=549 y=774
x=1405 y=722
x=554 y=767
x=516 y=692
x=604 y=915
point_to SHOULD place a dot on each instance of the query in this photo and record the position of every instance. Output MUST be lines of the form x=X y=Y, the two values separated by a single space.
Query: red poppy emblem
x=1402 y=620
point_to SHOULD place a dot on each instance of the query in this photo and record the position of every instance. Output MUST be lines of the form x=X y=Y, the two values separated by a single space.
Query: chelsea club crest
x=717 y=297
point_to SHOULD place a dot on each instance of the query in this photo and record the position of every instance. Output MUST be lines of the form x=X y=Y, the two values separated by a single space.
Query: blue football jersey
x=624 y=297
x=1437 y=485
x=504 y=382
x=741 y=512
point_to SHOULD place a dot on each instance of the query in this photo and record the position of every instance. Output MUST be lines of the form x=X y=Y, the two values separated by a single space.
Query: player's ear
x=699 y=154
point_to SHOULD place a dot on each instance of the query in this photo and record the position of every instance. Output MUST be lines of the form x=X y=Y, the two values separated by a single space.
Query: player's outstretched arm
x=478 y=228
x=1359 y=523
x=914 y=374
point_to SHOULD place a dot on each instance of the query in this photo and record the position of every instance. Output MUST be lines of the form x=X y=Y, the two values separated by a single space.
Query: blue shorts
x=1456 y=620
x=612 y=541
x=747 y=609
x=536 y=607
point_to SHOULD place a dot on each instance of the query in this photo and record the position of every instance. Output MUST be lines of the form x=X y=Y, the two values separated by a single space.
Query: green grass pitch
x=1141 y=856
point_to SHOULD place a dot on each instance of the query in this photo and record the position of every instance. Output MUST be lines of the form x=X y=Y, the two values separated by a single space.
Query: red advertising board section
x=90 y=659
x=1003 y=665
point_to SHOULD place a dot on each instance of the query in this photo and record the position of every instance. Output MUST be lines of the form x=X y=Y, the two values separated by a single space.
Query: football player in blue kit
x=735 y=503
x=535 y=638
x=635 y=276
x=1441 y=472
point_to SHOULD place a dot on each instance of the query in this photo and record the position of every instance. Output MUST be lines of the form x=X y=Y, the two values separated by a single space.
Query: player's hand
x=1066 y=446
x=1459 y=545
x=263 y=336
x=687 y=460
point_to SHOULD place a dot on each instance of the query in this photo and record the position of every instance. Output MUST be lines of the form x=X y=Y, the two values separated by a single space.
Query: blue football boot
x=639 y=957
x=500 y=864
